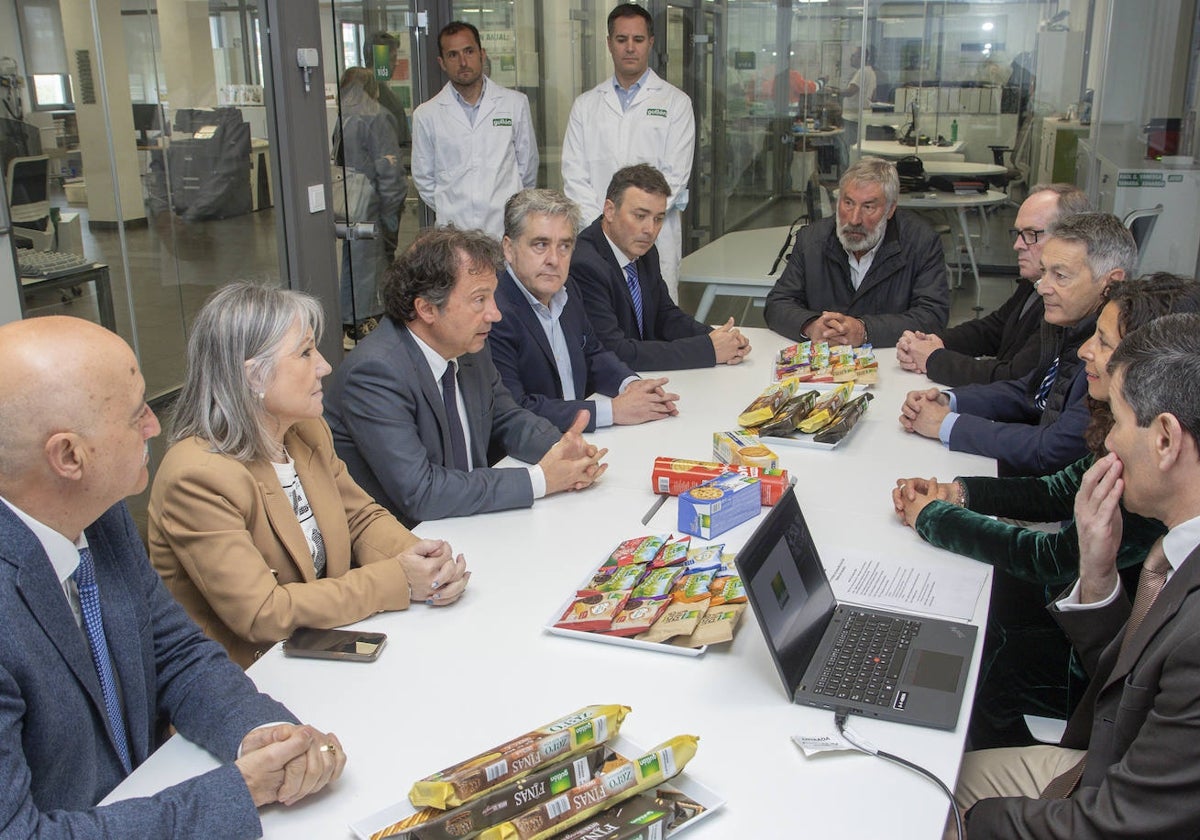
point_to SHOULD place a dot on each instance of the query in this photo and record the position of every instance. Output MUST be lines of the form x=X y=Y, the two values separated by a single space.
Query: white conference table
x=957 y=205
x=894 y=149
x=454 y=681
x=736 y=264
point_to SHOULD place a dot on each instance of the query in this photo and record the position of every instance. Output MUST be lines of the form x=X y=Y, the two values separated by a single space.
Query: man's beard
x=869 y=240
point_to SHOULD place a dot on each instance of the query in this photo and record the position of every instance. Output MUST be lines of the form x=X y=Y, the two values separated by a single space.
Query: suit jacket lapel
x=283 y=518
x=429 y=388
x=529 y=320
x=471 y=386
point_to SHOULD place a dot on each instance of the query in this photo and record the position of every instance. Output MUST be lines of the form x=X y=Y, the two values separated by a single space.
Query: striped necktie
x=1043 y=391
x=93 y=626
x=635 y=291
x=1150 y=583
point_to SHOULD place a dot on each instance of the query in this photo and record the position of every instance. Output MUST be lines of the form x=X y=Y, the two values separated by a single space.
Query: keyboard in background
x=48 y=264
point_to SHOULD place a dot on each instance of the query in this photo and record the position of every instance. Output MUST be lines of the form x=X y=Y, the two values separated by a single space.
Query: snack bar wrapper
x=844 y=421
x=617 y=782
x=766 y=404
x=592 y=611
x=499 y=804
x=517 y=758
x=644 y=817
x=673 y=476
x=639 y=550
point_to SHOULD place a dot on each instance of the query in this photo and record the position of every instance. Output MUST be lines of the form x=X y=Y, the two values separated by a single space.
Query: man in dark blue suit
x=615 y=266
x=96 y=659
x=544 y=346
x=1034 y=425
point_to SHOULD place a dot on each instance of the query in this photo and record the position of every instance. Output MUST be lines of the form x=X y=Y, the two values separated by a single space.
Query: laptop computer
x=916 y=666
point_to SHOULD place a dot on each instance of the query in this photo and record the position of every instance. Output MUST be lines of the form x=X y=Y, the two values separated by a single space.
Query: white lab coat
x=659 y=129
x=465 y=173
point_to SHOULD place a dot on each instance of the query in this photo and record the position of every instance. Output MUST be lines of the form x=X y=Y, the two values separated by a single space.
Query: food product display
x=517 y=758
x=646 y=816
x=718 y=505
x=673 y=476
x=822 y=417
x=818 y=361
x=620 y=779
x=499 y=804
x=662 y=600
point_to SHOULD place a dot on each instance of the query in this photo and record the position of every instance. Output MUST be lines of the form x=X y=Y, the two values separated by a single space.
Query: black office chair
x=1016 y=169
x=29 y=200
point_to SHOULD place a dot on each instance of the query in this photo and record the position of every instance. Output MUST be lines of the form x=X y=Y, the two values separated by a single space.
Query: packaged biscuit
x=743 y=449
x=618 y=781
x=729 y=590
x=715 y=627
x=679 y=619
x=637 y=550
x=826 y=408
x=644 y=817
x=592 y=611
x=517 y=758
x=704 y=557
x=693 y=588
x=673 y=553
x=844 y=421
x=657 y=582
x=499 y=804
x=614 y=579
x=673 y=476
x=638 y=615
x=718 y=505
x=766 y=404
x=788 y=419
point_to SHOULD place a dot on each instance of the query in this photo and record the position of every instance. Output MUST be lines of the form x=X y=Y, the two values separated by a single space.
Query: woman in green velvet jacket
x=1027 y=665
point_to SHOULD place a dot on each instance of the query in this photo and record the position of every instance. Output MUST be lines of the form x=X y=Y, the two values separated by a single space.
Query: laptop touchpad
x=934 y=669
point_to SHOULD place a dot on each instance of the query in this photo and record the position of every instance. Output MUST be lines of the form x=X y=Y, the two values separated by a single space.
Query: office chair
x=29 y=200
x=1017 y=168
x=1140 y=224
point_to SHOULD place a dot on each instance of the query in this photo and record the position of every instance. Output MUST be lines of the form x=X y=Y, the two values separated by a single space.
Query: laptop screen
x=787 y=588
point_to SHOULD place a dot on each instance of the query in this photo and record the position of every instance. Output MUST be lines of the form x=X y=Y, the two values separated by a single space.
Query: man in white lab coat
x=473 y=143
x=633 y=117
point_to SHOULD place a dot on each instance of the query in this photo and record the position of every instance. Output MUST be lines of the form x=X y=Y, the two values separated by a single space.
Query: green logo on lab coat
x=501 y=121
x=656 y=112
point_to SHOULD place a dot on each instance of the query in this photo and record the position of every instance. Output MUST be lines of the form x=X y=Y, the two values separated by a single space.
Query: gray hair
x=1071 y=199
x=220 y=403
x=1108 y=244
x=1155 y=361
x=873 y=170
x=529 y=202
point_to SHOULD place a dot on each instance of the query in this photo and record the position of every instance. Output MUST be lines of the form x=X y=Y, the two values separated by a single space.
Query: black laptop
x=861 y=660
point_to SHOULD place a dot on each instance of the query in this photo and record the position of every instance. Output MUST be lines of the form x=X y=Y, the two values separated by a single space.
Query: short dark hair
x=429 y=269
x=630 y=10
x=456 y=26
x=1160 y=365
x=368 y=54
x=641 y=175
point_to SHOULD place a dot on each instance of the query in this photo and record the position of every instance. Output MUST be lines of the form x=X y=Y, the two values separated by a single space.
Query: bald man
x=96 y=659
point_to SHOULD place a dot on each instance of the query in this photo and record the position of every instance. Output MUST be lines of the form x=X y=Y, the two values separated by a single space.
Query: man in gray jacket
x=867 y=275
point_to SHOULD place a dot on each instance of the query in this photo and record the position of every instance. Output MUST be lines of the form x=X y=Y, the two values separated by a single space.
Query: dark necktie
x=458 y=441
x=1043 y=391
x=635 y=291
x=1150 y=583
x=93 y=625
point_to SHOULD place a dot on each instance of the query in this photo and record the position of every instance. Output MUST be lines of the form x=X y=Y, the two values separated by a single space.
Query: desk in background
x=456 y=680
x=953 y=204
x=94 y=273
x=893 y=149
x=736 y=264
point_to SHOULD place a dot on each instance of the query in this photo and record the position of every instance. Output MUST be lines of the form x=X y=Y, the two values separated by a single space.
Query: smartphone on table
x=351 y=645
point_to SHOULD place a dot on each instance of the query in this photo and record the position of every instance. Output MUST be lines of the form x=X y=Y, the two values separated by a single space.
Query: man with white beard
x=866 y=275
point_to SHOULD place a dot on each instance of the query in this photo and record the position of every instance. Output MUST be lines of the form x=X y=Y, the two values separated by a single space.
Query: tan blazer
x=228 y=546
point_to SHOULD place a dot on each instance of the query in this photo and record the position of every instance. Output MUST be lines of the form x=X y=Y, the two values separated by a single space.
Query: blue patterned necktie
x=458 y=440
x=635 y=290
x=1043 y=391
x=93 y=625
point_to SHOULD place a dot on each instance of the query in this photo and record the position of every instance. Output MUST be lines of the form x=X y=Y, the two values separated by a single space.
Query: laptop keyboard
x=864 y=665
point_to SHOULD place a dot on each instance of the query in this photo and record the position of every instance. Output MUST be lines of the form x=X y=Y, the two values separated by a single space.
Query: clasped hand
x=924 y=411
x=287 y=762
x=573 y=463
x=434 y=574
x=913 y=495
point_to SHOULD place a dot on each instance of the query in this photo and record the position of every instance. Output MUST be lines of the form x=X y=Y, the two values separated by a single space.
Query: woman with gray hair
x=255 y=525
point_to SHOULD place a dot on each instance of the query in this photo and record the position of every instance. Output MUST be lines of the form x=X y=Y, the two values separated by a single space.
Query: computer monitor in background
x=147 y=117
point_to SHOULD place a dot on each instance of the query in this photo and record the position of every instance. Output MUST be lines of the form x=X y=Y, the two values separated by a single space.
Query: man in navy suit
x=418 y=411
x=96 y=658
x=616 y=268
x=544 y=346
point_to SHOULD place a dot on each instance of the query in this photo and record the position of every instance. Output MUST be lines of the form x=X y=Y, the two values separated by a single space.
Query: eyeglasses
x=1029 y=235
